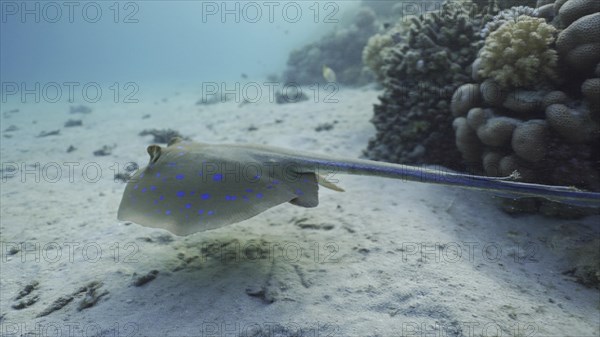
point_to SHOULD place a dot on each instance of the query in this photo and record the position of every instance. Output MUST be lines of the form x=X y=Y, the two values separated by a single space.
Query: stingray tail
x=508 y=188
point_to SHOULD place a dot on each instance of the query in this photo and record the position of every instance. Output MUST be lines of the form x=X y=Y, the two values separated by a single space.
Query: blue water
x=156 y=42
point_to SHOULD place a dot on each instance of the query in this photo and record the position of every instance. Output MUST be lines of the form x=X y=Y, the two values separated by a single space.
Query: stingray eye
x=154 y=151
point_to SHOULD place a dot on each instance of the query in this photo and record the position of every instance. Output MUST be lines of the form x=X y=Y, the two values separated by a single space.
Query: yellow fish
x=328 y=74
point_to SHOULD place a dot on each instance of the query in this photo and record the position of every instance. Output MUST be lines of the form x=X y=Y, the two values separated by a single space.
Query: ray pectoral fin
x=328 y=184
x=306 y=190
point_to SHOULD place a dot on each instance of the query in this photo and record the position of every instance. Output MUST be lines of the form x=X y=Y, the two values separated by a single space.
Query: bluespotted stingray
x=190 y=187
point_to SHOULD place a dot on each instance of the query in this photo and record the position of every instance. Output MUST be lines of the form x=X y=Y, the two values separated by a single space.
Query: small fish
x=190 y=187
x=328 y=74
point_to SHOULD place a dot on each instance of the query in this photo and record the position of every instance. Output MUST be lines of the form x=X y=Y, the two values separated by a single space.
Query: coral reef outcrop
x=420 y=62
x=515 y=89
x=537 y=109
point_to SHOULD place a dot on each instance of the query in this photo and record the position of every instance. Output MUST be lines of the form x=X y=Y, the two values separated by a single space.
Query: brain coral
x=519 y=54
x=579 y=43
x=575 y=126
x=574 y=9
x=591 y=90
x=529 y=140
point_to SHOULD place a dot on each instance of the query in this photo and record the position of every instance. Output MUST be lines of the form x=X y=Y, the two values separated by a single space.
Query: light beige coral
x=518 y=54
x=375 y=51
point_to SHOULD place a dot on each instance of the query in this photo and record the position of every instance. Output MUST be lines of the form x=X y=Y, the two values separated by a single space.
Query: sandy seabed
x=384 y=258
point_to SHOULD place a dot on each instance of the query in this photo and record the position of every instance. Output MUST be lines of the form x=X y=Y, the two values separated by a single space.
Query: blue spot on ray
x=210 y=212
x=158 y=175
x=205 y=196
x=152 y=188
x=200 y=211
x=144 y=190
x=188 y=205
x=217 y=177
x=259 y=195
x=179 y=176
x=249 y=190
x=168 y=212
x=162 y=197
x=180 y=194
x=135 y=187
